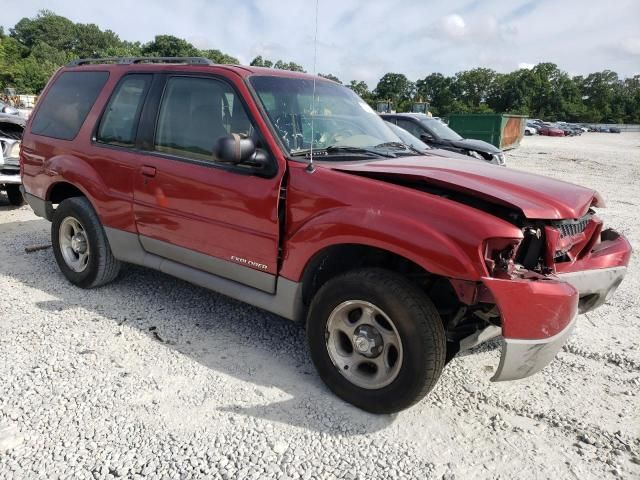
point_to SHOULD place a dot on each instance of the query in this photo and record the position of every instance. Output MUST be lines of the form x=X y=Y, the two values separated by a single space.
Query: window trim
x=94 y=134
x=151 y=113
x=42 y=100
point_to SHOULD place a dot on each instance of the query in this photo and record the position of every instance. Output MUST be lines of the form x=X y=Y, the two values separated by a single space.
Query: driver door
x=193 y=209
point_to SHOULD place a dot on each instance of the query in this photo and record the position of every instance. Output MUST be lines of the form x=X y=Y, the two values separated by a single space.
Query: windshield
x=407 y=138
x=341 y=121
x=440 y=129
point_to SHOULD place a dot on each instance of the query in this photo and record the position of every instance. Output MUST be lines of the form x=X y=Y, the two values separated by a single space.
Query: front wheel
x=80 y=245
x=376 y=340
x=14 y=195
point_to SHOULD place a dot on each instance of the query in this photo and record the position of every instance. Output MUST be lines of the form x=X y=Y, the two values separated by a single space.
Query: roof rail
x=132 y=60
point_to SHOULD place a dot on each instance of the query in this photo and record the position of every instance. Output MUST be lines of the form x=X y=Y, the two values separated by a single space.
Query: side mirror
x=235 y=149
x=426 y=137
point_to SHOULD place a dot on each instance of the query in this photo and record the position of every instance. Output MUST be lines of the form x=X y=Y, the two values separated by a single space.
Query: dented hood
x=536 y=196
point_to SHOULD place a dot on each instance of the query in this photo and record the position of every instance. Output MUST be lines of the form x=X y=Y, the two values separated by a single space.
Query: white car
x=530 y=130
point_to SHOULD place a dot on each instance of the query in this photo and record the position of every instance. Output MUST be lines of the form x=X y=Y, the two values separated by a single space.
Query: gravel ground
x=152 y=377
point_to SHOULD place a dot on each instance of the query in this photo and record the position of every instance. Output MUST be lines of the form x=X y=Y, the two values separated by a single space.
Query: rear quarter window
x=67 y=103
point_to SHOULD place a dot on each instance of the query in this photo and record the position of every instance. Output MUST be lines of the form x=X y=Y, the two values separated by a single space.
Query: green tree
x=169 y=46
x=362 y=89
x=54 y=30
x=397 y=88
x=436 y=89
x=603 y=96
x=217 y=56
x=292 y=66
x=280 y=64
x=260 y=62
x=35 y=47
x=90 y=41
x=472 y=88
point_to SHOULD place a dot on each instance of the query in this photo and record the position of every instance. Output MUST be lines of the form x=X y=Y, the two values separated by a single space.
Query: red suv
x=288 y=192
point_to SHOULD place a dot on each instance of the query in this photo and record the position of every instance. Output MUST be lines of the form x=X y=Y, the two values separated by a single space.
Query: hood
x=536 y=196
x=470 y=144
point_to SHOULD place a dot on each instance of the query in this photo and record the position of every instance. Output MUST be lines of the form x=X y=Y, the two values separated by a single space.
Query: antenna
x=310 y=167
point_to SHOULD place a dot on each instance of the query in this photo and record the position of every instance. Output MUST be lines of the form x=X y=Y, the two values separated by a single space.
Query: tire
x=100 y=266
x=413 y=319
x=14 y=195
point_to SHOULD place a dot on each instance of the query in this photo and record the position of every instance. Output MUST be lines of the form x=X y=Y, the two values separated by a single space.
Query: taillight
x=499 y=255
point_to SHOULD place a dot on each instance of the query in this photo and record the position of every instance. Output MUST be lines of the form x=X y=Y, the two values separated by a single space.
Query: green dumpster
x=502 y=130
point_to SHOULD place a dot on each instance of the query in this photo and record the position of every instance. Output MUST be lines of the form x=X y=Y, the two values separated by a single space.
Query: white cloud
x=525 y=65
x=453 y=26
x=630 y=45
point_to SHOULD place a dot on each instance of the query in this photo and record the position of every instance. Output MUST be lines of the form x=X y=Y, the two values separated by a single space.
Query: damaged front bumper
x=598 y=274
x=522 y=358
x=537 y=318
x=595 y=287
x=538 y=314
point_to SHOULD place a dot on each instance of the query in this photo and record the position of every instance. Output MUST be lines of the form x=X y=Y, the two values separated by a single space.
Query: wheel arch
x=73 y=176
x=62 y=190
x=336 y=259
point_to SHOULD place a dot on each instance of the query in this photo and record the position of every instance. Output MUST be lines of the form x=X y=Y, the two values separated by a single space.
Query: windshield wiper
x=401 y=145
x=343 y=149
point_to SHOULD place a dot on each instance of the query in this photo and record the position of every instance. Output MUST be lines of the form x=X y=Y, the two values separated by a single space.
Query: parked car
x=569 y=129
x=615 y=130
x=550 y=131
x=436 y=134
x=394 y=260
x=528 y=130
x=422 y=147
x=11 y=128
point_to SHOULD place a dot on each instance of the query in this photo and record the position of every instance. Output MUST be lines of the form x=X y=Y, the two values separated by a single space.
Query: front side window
x=67 y=104
x=340 y=118
x=194 y=114
x=119 y=122
x=440 y=129
x=408 y=138
x=411 y=127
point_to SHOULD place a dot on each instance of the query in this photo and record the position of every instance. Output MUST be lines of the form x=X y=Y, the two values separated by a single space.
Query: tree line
x=35 y=47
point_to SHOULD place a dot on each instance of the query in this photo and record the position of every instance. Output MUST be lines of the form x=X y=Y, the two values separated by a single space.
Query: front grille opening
x=574 y=228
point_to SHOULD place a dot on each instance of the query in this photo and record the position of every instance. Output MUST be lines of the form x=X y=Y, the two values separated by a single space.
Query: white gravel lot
x=151 y=377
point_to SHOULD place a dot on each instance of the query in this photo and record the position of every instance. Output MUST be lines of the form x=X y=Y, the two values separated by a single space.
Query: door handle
x=148 y=171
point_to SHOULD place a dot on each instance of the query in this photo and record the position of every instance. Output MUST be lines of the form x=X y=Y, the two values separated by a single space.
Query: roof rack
x=132 y=60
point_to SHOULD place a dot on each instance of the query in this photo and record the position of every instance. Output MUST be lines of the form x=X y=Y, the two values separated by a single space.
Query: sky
x=363 y=40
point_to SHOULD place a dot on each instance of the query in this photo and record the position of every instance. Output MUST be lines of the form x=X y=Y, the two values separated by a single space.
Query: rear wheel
x=80 y=245
x=376 y=340
x=14 y=195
